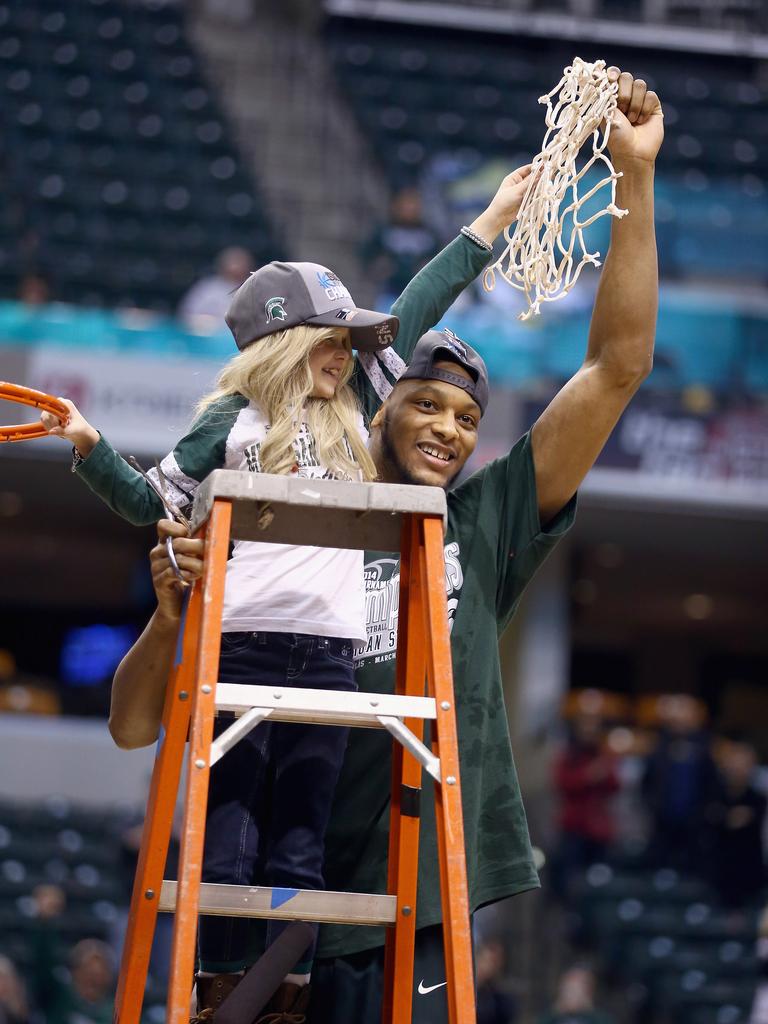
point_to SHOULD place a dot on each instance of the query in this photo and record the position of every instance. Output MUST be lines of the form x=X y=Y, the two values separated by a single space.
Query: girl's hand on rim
x=77 y=430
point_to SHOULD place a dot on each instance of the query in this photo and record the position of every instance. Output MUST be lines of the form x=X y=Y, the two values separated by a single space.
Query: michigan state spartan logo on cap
x=274 y=308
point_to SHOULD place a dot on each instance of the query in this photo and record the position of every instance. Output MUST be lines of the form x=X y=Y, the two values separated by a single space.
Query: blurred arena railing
x=705 y=339
x=534 y=15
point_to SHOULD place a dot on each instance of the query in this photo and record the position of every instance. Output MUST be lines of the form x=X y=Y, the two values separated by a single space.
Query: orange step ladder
x=327 y=513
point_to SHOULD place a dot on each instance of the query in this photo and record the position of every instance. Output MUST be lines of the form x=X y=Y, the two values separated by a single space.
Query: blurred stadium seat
x=121 y=181
x=664 y=935
x=432 y=92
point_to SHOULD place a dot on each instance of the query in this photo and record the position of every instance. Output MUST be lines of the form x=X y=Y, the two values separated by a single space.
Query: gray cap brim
x=369 y=331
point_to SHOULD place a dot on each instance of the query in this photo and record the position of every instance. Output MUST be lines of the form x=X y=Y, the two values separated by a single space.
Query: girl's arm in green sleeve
x=119 y=485
x=201 y=451
x=423 y=303
x=434 y=289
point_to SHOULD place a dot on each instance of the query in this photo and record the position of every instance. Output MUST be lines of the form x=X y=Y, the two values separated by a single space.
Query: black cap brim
x=369 y=331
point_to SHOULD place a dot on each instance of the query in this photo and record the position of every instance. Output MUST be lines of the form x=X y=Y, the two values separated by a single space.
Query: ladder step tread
x=330 y=706
x=323 y=513
x=287 y=904
x=337 y=495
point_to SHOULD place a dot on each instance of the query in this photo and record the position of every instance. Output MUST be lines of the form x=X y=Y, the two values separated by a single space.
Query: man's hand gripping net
x=537 y=261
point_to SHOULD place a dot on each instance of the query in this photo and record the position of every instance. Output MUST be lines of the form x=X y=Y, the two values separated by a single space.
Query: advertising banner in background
x=144 y=405
x=659 y=437
x=662 y=450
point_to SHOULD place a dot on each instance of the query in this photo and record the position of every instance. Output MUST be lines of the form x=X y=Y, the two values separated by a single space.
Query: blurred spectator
x=575 y=1000
x=25 y=694
x=50 y=901
x=735 y=817
x=678 y=780
x=87 y=996
x=586 y=777
x=130 y=845
x=494 y=1006
x=399 y=249
x=34 y=290
x=759 y=1012
x=206 y=302
x=7 y=665
x=14 y=1008
x=83 y=994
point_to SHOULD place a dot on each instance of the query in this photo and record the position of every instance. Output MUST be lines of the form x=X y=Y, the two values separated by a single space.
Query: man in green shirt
x=502 y=522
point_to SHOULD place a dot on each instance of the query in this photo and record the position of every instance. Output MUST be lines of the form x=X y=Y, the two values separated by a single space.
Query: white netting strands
x=537 y=259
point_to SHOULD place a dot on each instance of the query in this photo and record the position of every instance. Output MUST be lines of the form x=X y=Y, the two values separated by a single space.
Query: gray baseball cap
x=435 y=346
x=282 y=295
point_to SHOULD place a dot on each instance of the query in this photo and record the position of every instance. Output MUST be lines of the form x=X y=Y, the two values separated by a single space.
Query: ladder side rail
x=201 y=735
x=403 y=857
x=158 y=822
x=454 y=890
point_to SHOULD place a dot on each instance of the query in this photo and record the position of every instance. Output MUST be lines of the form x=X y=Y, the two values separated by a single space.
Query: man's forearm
x=623 y=324
x=138 y=689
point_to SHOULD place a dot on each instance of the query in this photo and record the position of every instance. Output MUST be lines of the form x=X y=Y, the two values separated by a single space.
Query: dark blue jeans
x=270 y=795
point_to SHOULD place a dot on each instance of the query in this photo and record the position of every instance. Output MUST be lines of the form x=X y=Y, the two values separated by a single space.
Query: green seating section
x=431 y=99
x=121 y=182
x=77 y=850
x=663 y=938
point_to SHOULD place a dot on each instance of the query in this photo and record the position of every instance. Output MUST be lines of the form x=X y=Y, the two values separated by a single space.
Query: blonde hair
x=274 y=372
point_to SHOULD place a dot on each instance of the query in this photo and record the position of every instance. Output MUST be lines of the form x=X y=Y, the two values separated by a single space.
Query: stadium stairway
x=277 y=86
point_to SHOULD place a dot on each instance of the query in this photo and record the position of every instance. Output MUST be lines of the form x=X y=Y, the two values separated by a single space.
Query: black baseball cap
x=282 y=295
x=436 y=346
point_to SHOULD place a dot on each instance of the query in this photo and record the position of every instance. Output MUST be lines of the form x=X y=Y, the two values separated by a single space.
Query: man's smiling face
x=425 y=432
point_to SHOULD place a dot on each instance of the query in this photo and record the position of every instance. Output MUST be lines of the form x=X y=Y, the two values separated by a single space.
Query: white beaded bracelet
x=477 y=239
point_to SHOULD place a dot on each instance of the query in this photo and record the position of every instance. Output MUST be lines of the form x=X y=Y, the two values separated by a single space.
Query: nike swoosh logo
x=424 y=991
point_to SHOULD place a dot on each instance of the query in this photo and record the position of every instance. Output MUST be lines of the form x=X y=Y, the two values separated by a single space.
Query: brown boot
x=211 y=993
x=287 y=1006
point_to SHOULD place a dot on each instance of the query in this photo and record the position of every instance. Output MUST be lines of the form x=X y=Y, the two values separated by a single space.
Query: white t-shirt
x=287 y=588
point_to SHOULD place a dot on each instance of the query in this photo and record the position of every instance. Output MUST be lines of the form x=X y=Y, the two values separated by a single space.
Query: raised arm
x=138 y=688
x=437 y=285
x=571 y=432
x=434 y=290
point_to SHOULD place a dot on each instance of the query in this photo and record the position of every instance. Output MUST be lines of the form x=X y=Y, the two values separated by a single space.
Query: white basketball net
x=536 y=260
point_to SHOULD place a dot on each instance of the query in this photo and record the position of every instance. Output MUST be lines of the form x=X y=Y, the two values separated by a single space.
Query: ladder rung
x=287 y=904
x=330 y=707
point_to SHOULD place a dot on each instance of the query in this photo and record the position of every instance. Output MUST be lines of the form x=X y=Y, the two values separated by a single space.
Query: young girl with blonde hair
x=292 y=614
x=292 y=401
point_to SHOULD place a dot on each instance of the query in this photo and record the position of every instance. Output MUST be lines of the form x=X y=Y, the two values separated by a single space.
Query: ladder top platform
x=322 y=513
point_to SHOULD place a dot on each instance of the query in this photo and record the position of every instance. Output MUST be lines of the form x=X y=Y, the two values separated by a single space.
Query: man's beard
x=395 y=463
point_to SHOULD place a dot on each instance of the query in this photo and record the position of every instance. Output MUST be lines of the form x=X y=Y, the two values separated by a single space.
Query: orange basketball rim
x=38 y=399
